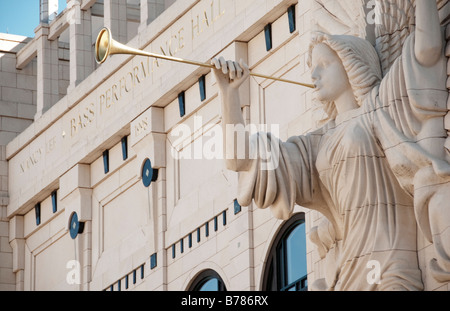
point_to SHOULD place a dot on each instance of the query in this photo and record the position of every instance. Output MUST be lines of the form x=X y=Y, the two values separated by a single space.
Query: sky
x=21 y=17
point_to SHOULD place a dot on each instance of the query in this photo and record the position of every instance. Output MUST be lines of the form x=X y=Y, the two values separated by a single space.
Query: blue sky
x=21 y=17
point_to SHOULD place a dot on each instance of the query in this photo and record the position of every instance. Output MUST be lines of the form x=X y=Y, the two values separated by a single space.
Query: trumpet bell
x=106 y=46
x=103 y=45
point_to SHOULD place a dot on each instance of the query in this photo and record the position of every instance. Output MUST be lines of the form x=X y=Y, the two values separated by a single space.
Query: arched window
x=208 y=281
x=286 y=265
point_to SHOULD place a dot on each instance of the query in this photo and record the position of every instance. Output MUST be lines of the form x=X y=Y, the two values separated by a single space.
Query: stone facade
x=60 y=112
x=18 y=106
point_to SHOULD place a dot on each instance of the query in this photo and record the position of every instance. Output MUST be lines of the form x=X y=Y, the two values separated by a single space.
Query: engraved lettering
x=129 y=86
x=141 y=126
x=180 y=39
x=196 y=27
x=220 y=12
x=168 y=50
x=122 y=86
x=83 y=119
x=114 y=93
x=50 y=145
x=155 y=64
x=136 y=74
x=73 y=127
x=32 y=160
x=108 y=99
x=215 y=13
x=143 y=69
x=205 y=18
x=102 y=102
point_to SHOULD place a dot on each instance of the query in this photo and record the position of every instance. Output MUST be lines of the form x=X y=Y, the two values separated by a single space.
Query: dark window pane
x=286 y=268
x=106 y=161
x=208 y=281
x=54 y=202
x=125 y=148
x=211 y=285
x=295 y=254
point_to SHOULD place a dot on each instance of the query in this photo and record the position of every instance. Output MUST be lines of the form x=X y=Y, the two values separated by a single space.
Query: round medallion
x=74 y=226
x=147 y=173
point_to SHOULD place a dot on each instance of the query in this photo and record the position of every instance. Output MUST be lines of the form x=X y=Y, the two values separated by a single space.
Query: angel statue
x=361 y=168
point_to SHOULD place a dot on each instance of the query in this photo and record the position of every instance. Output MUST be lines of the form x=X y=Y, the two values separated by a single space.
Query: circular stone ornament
x=75 y=227
x=147 y=173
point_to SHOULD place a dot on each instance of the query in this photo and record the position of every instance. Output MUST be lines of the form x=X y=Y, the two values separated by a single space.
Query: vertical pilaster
x=116 y=19
x=151 y=144
x=47 y=70
x=17 y=242
x=76 y=197
x=80 y=44
x=7 y=281
x=158 y=197
x=85 y=253
x=48 y=10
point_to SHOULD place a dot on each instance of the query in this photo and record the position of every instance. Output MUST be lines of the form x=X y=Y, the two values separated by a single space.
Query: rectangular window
x=134 y=276
x=268 y=36
x=37 y=210
x=181 y=103
x=237 y=207
x=190 y=240
x=291 y=16
x=125 y=148
x=198 y=235
x=207 y=229
x=153 y=261
x=142 y=272
x=202 y=86
x=54 y=202
x=126 y=282
x=224 y=218
x=182 y=246
x=106 y=161
x=216 y=226
x=173 y=251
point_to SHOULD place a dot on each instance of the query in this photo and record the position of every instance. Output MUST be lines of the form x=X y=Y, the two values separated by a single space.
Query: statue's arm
x=428 y=43
x=229 y=76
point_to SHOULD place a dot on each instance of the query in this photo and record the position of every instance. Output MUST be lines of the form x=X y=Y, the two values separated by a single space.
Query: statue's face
x=328 y=74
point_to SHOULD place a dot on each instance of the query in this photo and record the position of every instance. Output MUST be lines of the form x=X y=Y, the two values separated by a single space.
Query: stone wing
x=394 y=21
x=340 y=17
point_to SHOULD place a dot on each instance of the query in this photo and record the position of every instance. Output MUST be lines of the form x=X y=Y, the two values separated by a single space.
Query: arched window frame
x=274 y=272
x=204 y=277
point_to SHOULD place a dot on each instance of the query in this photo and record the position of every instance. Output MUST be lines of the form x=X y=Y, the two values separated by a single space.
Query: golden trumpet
x=106 y=46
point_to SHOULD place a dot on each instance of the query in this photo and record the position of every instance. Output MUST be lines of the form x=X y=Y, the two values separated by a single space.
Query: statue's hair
x=360 y=61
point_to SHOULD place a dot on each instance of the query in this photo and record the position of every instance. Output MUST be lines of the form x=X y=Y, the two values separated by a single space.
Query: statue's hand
x=429 y=41
x=229 y=74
